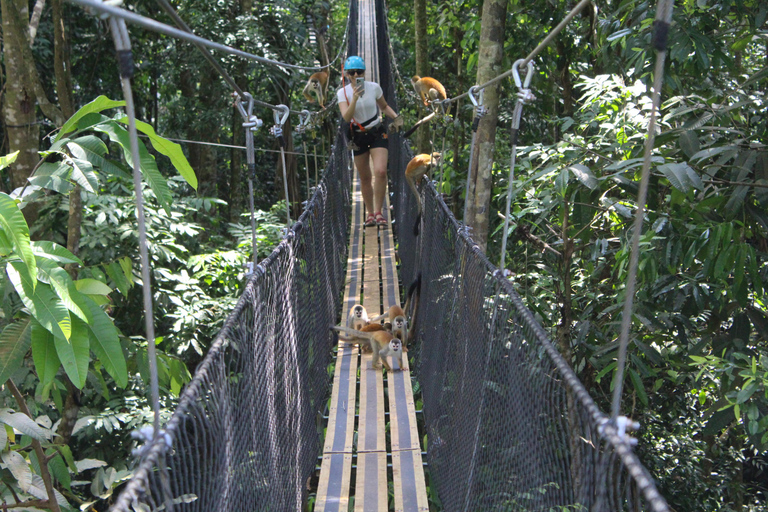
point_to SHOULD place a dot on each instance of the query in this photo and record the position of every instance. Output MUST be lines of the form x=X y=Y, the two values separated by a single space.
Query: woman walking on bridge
x=361 y=103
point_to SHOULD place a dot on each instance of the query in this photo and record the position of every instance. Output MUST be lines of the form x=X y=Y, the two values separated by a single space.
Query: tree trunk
x=491 y=53
x=19 y=101
x=422 y=65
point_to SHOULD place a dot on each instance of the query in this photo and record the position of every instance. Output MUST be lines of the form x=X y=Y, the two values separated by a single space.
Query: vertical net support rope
x=524 y=96
x=250 y=123
x=661 y=30
x=244 y=435
x=476 y=96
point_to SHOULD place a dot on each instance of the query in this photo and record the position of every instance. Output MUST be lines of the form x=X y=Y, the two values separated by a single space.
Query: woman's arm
x=348 y=109
x=385 y=107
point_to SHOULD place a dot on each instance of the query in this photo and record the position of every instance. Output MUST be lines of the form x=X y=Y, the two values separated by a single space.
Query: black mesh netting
x=245 y=433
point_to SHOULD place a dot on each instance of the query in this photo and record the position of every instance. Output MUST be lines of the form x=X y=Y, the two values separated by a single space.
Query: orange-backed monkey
x=318 y=84
x=418 y=167
x=379 y=342
x=391 y=313
x=428 y=88
x=364 y=347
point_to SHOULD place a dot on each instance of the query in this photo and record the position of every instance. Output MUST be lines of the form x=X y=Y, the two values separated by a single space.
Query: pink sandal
x=370 y=221
x=380 y=220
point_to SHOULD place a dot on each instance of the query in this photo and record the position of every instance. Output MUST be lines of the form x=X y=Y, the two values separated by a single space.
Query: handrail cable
x=231 y=146
x=555 y=31
x=659 y=42
x=162 y=28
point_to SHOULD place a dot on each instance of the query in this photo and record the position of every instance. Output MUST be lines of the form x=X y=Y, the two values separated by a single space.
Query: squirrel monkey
x=392 y=312
x=317 y=84
x=418 y=167
x=356 y=319
x=428 y=88
x=379 y=342
x=397 y=321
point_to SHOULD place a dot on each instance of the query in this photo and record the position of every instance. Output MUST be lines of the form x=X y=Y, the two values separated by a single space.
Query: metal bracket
x=524 y=93
x=477 y=101
x=304 y=116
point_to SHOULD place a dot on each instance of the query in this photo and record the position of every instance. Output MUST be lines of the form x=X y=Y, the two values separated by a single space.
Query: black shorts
x=376 y=137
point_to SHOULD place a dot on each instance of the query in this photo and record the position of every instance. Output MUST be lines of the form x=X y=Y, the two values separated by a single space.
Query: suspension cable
x=524 y=96
x=162 y=28
x=659 y=42
x=555 y=31
x=231 y=146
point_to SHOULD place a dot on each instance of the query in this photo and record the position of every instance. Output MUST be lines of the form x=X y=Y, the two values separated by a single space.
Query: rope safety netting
x=508 y=424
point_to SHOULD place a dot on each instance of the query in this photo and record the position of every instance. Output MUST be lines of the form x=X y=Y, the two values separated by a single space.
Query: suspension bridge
x=274 y=419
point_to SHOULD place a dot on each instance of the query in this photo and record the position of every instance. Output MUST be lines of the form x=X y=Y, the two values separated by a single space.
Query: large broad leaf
x=19 y=467
x=677 y=175
x=115 y=272
x=14 y=344
x=44 y=355
x=58 y=469
x=104 y=340
x=74 y=353
x=54 y=252
x=7 y=160
x=82 y=173
x=45 y=305
x=16 y=230
x=91 y=286
x=157 y=182
x=584 y=175
x=97 y=105
x=37 y=489
x=169 y=149
x=53 y=176
x=689 y=143
x=91 y=149
x=61 y=283
x=24 y=424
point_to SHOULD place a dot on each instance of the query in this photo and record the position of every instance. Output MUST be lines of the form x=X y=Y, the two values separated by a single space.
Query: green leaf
x=54 y=252
x=44 y=355
x=66 y=452
x=7 y=160
x=90 y=286
x=584 y=175
x=15 y=341
x=75 y=353
x=19 y=467
x=53 y=176
x=99 y=104
x=37 y=489
x=115 y=272
x=92 y=151
x=62 y=284
x=677 y=175
x=15 y=227
x=639 y=388
x=82 y=173
x=45 y=305
x=147 y=163
x=169 y=149
x=746 y=393
x=689 y=143
x=105 y=342
x=125 y=264
x=58 y=469
x=24 y=424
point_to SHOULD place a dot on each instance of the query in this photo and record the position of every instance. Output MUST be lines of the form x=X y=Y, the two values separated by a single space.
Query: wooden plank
x=336 y=466
x=408 y=472
x=371 y=476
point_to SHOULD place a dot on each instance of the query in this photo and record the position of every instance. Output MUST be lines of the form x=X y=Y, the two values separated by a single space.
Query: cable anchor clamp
x=280 y=113
x=524 y=94
x=304 y=116
x=623 y=427
x=476 y=96
x=110 y=3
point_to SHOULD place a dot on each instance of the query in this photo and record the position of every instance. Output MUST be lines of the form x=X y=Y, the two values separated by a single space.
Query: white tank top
x=366 y=106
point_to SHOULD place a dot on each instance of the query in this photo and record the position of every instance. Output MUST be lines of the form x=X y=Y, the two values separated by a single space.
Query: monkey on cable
x=317 y=84
x=418 y=167
x=382 y=343
x=428 y=88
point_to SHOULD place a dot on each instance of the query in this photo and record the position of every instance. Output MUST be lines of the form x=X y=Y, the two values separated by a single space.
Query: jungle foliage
x=72 y=340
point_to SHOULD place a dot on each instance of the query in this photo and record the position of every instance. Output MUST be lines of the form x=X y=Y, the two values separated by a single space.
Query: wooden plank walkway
x=372 y=280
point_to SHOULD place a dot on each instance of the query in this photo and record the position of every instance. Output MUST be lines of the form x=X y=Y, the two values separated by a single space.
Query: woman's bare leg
x=364 y=171
x=379 y=157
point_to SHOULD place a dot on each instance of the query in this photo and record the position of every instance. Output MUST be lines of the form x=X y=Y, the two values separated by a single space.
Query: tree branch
x=28 y=503
x=44 y=474
x=35 y=21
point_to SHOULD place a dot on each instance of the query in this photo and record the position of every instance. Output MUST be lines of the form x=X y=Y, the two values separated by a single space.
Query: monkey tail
x=414 y=288
x=416 y=225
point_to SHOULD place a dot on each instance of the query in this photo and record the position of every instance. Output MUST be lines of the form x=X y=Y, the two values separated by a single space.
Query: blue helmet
x=354 y=62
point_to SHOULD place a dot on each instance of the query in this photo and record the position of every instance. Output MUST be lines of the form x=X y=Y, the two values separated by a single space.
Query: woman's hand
x=358 y=90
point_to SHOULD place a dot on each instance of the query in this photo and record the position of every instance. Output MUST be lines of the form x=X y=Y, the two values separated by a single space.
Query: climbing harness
x=476 y=96
x=280 y=117
x=524 y=97
x=251 y=123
